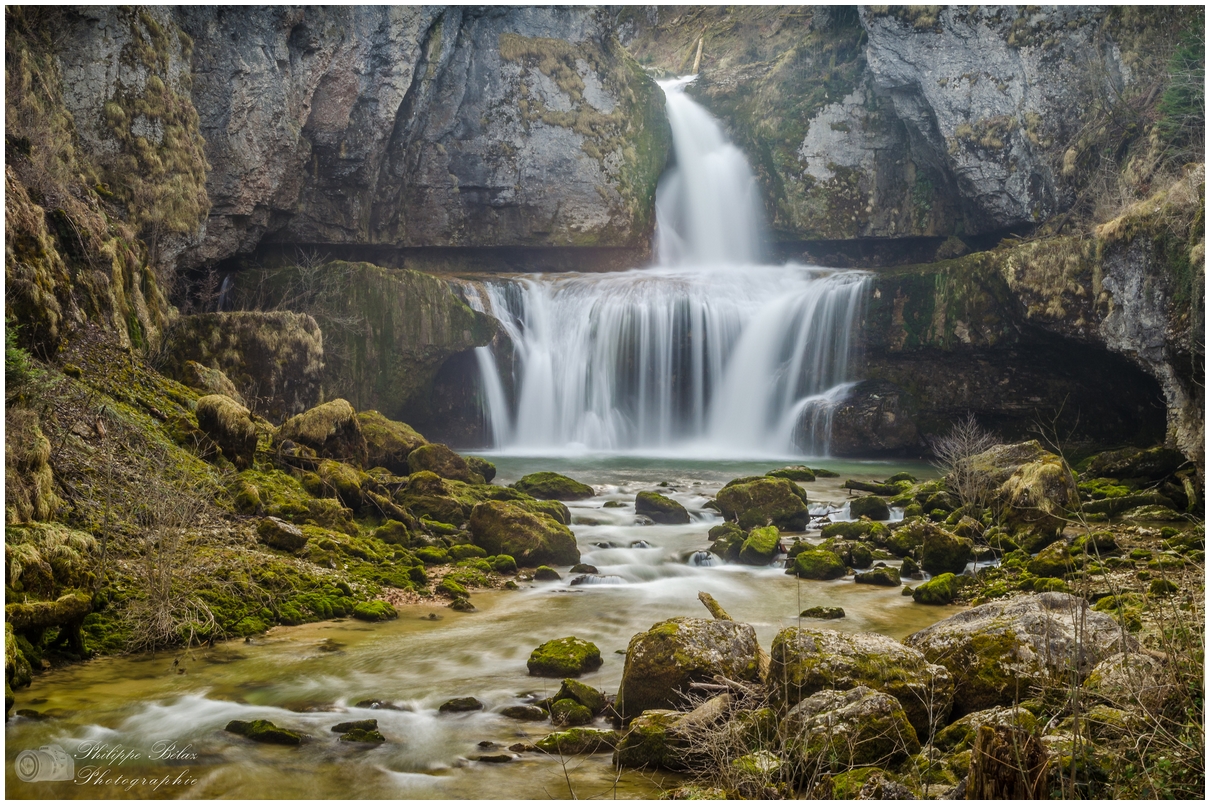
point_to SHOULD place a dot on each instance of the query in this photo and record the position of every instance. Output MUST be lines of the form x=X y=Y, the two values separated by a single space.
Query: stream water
x=309 y=678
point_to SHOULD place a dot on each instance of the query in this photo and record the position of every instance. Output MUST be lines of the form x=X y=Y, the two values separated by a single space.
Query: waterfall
x=708 y=353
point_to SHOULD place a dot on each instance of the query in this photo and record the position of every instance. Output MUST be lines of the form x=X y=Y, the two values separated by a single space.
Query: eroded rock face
x=998 y=653
x=663 y=661
x=422 y=126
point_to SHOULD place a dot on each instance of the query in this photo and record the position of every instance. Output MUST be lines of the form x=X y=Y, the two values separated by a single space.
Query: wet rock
x=662 y=662
x=363 y=736
x=755 y=502
x=883 y=576
x=877 y=417
x=544 y=573
x=374 y=611
x=462 y=704
x=524 y=712
x=265 y=732
x=795 y=473
x=660 y=509
x=582 y=568
x=943 y=552
x=484 y=468
x=553 y=486
x=363 y=724
x=819 y=565
x=379 y=704
x=870 y=506
x=909 y=569
x=858 y=529
x=998 y=652
x=531 y=539
x=823 y=613
x=566 y=656
x=277 y=533
x=569 y=713
x=838 y=730
x=584 y=695
x=388 y=443
x=805 y=661
x=761 y=546
x=578 y=741
x=230 y=426
x=331 y=429
x=939 y=590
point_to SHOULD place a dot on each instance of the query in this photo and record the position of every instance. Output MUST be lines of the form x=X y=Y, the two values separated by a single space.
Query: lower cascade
x=720 y=360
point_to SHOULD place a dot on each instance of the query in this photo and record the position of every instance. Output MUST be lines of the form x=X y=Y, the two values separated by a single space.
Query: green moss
x=760 y=501
x=374 y=611
x=660 y=509
x=569 y=713
x=578 y=741
x=552 y=486
x=795 y=473
x=817 y=564
x=761 y=546
x=265 y=732
x=942 y=589
x=564 y=657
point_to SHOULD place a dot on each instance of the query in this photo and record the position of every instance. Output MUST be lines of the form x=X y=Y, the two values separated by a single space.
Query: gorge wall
x=148 y=147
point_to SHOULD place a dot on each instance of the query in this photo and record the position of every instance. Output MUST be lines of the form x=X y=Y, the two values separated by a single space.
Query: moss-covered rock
x=553 y=486
x=277 y=533
x=569 y=713
x=1035 y=488
x=795 y=473
x=939 y=590
x=1150 y=464
x=660 y=509
x=819 y=565
x=869 y=506
x=461 y=704
x=483 y=467
x=374 y=611
x=823 y=613
x=755 y=502
x=960 y=735
x=525 y=712
x=857 y=529
x=943 y=552
x=342 y=481
x=265 y=732
x=29 y=481
x=589 y=697
x=998 y=652
x=834 y=730
x=578 y=741
x=544 y=573
x=363 y=736
x=652 y=743
x=761 y=546
x=564 y=657
x=662 y=662
x=804 y=661
x=1131 y=680
x=1052 y=562
x=440 y=460
x=883 y=576
x=230 y=426
x=332 y=430
x=388 y=443
x=531 y=539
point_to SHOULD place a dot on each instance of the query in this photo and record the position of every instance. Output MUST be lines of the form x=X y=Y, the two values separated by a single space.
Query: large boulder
x=834 y=730
x=662 y=662
x=754 y=502
x=1032 y=486
x=1131 y=681
x=500 y=527
x=673 y=740
x=427 y=495
x=659 y=508
x=564 y=657
x=998 y=653
x=439 y=459
x=943 y=552
x=388 y=443
x=870 y=506
x=230 y=426
x=210 y=381
x=553 y=486
x=761 y=546
x=331 y=430
x=805 y=661
x=1149 y=465
x=819 y=565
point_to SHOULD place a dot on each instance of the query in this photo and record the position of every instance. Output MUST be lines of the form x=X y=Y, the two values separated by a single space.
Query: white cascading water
x=709 y=353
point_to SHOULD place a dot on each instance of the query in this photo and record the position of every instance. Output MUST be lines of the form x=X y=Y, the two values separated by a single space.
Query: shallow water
x=308 y=677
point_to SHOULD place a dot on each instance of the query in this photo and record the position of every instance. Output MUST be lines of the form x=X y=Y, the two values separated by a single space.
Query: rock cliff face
x=420 y=126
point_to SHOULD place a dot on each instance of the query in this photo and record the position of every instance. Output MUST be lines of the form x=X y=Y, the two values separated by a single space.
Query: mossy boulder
x=365 y=724
x=341 y=481
x=362 y=736
x=481 y=466
x=229 y=425
x=332 y=430
x=374 y=611
x=764 y=501
x=652 y=742
x=524 y=712
x=857 y=529
x=907 y=536
x=939 y=590
x=564 y=657
x=553 y=486
x=1052 y=562
x=870 y=506
x=835 y=730
x=1034 y=487
x=427 y=495
x=960 y=735
x=265 y=732
x=569 y=713
x=277 y=533
x=819 y=565
x=804 y=661
x=660 y=509
x=544 y=573
x=943 y=552
x=461 y=704
x=209 y=381
x=761 y=546
x=882 y=576
x=531 y=539
x=578 y=741
x=999 y=652
x=795 y=473
x=441 y=460
x=388 y=443
x=1150 y=464
x=725 y=530
x=1131 y=680
x=585 y=695
x=662 y=662
x=823 y=613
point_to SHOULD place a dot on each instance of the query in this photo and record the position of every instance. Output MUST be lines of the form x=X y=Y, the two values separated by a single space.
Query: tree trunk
x=1007 y=763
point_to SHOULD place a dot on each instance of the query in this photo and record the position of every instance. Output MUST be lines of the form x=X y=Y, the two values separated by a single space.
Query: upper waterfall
x=709 y=353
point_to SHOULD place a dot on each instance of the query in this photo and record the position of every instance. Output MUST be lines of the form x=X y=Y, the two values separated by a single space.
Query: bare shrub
x=954 y=453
